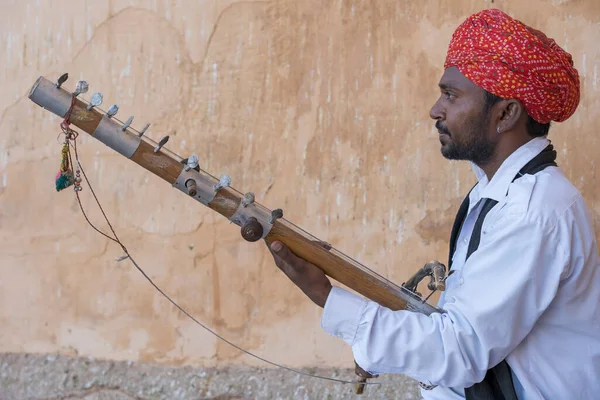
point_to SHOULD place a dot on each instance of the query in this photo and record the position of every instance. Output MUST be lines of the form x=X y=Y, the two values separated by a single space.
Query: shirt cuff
x=342 y=314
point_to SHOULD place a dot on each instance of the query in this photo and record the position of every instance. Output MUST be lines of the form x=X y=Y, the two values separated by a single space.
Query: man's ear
x=509 y=113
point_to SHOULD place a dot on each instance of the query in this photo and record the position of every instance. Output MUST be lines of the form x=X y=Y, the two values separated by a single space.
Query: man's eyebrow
x=448 y=86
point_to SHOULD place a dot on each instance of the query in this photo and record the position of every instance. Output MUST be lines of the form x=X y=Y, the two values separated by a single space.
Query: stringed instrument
x=256 y=222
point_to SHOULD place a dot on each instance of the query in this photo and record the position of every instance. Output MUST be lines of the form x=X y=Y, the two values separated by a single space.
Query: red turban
x=514 y=61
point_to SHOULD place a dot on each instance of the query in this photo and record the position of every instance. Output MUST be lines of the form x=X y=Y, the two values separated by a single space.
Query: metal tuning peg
x=81 y=87
x=190 y=184
x=252 y=230
x=95 y=101
x=224 y=182
x=144 y=129
x=127 y=123
x=191 y=163
x=275 y=215
x=62 y=79
x=112 y=111
x=247 y=199
x=161 y=143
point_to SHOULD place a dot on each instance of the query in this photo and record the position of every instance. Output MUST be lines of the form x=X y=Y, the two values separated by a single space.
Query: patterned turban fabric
x=514 y=61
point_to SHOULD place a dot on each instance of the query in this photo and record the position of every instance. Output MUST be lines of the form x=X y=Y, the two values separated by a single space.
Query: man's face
x=462 y=120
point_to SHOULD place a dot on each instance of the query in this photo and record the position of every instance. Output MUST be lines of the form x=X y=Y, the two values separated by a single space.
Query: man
x=522 y=307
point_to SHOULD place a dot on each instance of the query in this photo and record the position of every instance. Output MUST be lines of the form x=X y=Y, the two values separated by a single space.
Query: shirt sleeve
x=500 y=293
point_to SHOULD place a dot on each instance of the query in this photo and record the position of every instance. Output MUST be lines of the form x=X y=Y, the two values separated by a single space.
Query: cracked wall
x=319 y=107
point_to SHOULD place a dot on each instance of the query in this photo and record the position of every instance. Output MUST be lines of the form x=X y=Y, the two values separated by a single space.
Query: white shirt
x=530 y=294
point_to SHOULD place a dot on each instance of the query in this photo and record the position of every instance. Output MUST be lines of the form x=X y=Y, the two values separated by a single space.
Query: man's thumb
x=276 y=247
x=284 y=254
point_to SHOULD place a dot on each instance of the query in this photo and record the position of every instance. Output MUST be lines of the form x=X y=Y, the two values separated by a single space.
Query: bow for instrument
x=256 y=221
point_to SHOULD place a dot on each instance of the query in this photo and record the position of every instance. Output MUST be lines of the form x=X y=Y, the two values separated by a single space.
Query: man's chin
x=449 y=152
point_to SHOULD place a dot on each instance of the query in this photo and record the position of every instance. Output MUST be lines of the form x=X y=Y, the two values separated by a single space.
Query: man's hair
x=534 y=128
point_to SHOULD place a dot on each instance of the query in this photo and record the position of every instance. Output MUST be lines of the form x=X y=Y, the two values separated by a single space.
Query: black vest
x=498 y=382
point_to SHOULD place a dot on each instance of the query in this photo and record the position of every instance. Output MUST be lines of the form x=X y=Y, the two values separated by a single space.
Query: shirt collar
x=497 y=188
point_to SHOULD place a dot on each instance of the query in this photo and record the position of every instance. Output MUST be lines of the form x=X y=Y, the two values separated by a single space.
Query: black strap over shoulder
x=456 y=227
x=498 y=382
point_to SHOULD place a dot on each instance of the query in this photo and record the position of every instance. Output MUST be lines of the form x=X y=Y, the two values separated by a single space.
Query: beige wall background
x=320 y=107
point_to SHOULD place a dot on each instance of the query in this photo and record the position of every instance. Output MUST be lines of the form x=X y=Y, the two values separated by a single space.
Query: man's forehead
x=453 y=78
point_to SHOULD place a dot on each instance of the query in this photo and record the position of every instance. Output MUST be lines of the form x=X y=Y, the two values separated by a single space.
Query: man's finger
x=279 y=250
x=309 y=278
x=282 y=263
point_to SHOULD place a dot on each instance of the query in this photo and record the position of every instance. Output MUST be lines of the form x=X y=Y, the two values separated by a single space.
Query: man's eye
x=449 y=95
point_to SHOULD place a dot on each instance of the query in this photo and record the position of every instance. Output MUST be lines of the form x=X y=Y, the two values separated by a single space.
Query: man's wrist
x=320 y=296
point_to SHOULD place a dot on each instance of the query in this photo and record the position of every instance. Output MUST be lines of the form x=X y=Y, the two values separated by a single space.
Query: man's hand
x=308 y=277
x=362 y=373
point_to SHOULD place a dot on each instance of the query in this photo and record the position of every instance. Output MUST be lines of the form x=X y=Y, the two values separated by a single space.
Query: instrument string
x=71 y=136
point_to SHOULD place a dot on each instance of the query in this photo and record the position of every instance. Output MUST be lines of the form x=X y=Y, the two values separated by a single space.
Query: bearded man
x=522 y=306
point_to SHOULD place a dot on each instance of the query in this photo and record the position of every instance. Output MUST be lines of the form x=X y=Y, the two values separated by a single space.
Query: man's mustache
x=442 y=129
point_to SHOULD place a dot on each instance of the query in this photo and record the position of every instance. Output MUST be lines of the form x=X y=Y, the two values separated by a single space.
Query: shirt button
x=465 y=240
x=341 y=336
x=461 y=280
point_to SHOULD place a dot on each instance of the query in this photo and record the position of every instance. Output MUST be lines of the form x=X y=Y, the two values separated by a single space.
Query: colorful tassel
x=64 y=177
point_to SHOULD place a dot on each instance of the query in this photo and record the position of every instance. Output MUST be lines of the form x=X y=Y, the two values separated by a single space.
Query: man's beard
x=473 y=146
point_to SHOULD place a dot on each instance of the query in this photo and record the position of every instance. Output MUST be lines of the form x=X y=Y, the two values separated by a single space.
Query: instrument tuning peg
x=275 y=215
x=192 y=163
x=190 y=184
x=252 y=230
x=247 y=199
x=62 y=79
x=144 y=129
x=127 y=123
x=95 y=101
x=161 y=143
x=81 y=87
x=225 y=181
x=112 y=111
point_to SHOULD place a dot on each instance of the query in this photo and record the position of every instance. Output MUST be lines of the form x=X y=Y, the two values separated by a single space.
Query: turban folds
x=514 y=61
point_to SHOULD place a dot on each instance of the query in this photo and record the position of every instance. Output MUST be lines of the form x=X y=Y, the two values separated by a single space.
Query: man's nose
x=436 y=112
